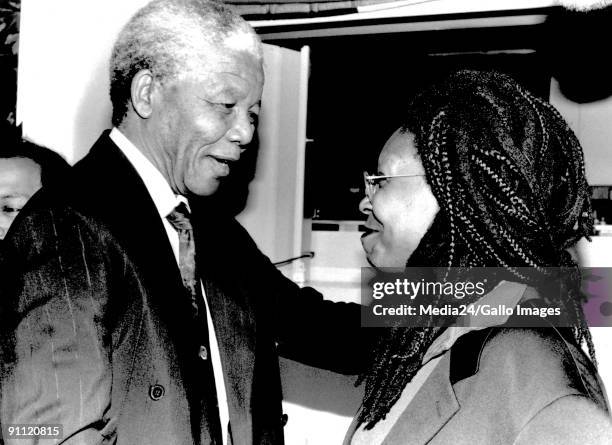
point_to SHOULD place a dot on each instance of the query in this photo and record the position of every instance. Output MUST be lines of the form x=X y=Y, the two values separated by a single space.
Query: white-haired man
x=113 y=331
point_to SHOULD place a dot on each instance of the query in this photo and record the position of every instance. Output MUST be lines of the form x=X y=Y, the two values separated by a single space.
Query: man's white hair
x=172 y=38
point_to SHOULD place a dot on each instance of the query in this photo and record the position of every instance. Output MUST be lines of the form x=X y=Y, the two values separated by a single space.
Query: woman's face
x=401 y=209
x=19 y=180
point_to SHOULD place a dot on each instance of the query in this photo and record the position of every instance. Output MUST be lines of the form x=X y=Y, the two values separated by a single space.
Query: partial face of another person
x=400 y=209
x=203 y=121
x=19 y=180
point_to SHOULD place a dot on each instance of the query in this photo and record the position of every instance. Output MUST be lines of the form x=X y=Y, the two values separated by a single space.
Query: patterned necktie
x=180 y=220
x=209 y=418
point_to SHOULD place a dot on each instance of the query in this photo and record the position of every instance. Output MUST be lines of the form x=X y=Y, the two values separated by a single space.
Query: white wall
x=598 y=253
x=592 y=123
x=274 y=210
x=64 y=48
x=321 y=404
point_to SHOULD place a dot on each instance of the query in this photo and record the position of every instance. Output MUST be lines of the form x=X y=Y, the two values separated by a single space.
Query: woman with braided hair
x=482 y=175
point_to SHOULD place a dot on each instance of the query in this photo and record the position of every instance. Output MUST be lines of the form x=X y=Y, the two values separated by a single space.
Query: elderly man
x=134 y=313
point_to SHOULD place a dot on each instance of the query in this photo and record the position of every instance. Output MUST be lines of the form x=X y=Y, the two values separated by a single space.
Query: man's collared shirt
x=165 y=201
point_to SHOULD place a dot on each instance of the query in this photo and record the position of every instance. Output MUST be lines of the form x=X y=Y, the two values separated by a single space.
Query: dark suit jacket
x=98 y=336
x=492 y=384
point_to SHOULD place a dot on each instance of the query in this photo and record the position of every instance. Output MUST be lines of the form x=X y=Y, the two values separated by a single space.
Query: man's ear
x=141 y=91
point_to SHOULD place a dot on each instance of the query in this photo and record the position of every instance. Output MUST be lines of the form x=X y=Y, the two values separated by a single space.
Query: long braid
x=580 y=211
x=495 y=158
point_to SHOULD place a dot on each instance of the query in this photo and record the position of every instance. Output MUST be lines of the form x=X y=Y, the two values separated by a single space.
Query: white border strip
x=415 y=8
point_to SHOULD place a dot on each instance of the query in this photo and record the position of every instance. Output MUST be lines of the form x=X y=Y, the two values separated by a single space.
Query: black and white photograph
x=305 y=222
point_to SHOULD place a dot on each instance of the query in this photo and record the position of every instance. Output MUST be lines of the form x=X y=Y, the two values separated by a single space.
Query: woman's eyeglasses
x=371 y=181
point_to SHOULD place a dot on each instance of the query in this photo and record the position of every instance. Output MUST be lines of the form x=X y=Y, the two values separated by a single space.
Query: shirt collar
x=162 y=195
x=506 y=293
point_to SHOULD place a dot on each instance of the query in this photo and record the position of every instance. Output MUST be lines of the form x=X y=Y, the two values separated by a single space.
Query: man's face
x=202 y=122
x=402 y=209
x=19 y=180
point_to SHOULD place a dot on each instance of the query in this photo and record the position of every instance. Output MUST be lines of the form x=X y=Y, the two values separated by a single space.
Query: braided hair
x=508 y=175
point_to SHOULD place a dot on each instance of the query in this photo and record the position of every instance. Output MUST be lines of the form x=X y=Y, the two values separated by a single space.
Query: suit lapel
x=435 y=403
x=432 y=406
x=116 y=194
x=112 y=190
x=351 y=431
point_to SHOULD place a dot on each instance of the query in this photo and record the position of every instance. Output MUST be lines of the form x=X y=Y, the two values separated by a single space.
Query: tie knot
x=180 y=217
